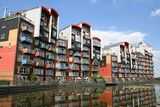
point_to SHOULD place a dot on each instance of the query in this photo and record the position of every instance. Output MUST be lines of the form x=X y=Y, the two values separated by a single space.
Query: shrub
x=32 y=78
x=4 y=82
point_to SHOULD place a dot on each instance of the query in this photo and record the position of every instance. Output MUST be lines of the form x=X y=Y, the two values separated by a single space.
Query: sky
x=111 y=20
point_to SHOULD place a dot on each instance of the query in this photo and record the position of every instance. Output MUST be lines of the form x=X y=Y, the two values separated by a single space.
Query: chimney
x=5 y=12
x=9 y=12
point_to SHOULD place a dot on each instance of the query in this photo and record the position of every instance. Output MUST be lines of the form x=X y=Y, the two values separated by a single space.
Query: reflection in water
x=129 y=96
x=126 y=96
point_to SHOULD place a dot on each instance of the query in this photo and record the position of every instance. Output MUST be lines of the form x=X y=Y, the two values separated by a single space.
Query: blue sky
x=116 y=20
x=122 y=15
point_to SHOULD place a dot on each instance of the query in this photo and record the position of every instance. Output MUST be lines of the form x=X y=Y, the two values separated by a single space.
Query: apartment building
x=86 y=49
x=122 y=62
x=28 y=44
x=61 y=59
x=142 y=61
x=96 y=55
x=79 y=49
x=72 y=34
x=115 y=65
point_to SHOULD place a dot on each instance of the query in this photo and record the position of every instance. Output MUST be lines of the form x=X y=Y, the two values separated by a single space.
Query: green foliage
x=32 y=77
x=4 y=82
x=98 y=78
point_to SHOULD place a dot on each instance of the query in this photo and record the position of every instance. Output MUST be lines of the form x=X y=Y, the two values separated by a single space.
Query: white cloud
x=156 y=12
x=93 y=1
x=111 y=36
x=156 y=58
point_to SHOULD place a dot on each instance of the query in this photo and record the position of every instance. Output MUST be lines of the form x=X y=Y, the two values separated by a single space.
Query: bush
x=32 y=78
x=4 y=82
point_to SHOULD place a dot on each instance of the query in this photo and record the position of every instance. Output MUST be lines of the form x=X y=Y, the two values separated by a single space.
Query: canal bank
x=133 y=83
x=19 y=89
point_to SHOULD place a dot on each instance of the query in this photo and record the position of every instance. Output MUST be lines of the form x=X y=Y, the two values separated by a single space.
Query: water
x=117 y=96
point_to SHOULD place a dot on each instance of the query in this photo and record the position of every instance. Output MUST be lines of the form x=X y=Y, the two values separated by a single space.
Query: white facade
x=35 y=15
x=141 y=47
x=66 y=35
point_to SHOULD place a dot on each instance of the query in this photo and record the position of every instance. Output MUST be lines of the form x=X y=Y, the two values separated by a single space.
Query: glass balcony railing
x=96 y=43
x=50 y=57
x=115 y=70
x=51 y=48
x=85 y=68
x=24 y=38
x=85 y=55
x=39 y=63
x=62 y=43
x=77 y=54
x=114 y=65
x=63 y=67
x=84 y=61
x=27 y=61
x=74 y=67
x=61 y=51
x=40 y=54
x=49 y=65
x=63 y=59
x=114 y=58
x=43 y=46
x=77 y=61
x=27 y=28
x=127 y=71
x=28 y=51
x=94 y=69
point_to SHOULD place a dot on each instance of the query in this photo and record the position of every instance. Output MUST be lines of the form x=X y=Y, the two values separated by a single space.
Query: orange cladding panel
x=106 y=72
x=8 y=56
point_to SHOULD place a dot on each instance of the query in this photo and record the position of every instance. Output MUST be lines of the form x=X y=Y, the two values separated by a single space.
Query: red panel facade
x=7 y=60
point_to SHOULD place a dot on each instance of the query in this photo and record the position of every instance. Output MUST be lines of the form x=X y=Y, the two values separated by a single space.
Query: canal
x=110 y=96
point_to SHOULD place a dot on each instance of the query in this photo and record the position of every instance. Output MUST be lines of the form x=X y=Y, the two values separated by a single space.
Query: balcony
x=26 y=39
x=39 y=63
x=43 y=46
x=49 y=65
x=77 y=54
x=95 y=69
x=63 y=67
x=50 y=57
x=114 y=70
x=26 y=28
x=85 y=61
x=86 y=49
x=85 y=55
x=127 y=71
x=96 y=43
x=62 y=59
x=62 y=43
x=85 y=68
x=114 y=58
x=86 y=42
x=74 y=67
x=114 y=65
x=51 y=49
x=27 y=62
x=28 y=51
x=77 y=61
x=61 y=51
x=39 y=54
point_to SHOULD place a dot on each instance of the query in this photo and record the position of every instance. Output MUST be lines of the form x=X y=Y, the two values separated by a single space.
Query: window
x=4 y=26
x=2 y=36
x=23 y=70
